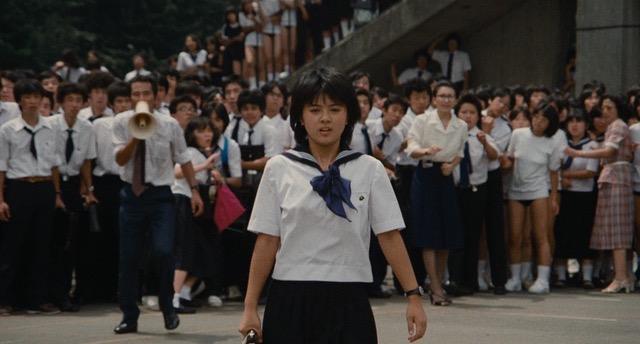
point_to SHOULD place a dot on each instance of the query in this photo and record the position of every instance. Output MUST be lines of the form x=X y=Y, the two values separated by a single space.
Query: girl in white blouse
x=314 y=213
x=535 y=156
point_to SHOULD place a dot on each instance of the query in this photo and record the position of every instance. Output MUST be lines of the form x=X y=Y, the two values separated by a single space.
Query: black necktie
x=367 y=139
x=33 y=142
x=420 y=74
x=449 y=66
x=384 y=137
x=465 y=167
x=249 y=140
x=234 y=133
x=69 y=148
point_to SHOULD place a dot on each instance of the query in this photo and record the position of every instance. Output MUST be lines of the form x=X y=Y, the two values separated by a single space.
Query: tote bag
x=228 y=207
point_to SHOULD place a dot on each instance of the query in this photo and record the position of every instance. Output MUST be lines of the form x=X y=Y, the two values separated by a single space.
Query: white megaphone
x=142 y=125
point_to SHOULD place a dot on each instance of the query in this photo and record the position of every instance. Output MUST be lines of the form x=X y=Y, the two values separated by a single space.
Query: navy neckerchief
x=577 y=146
x=330 y=185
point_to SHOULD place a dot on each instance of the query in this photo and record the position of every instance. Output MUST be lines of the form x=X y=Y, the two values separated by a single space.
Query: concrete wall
x=608 y=43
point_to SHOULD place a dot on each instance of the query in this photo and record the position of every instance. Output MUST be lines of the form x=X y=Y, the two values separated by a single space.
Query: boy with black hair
x=183 y=108
x=191 y=89
x=385 y=138
x=232 y=87
x=97 y=84
x=29 y=194
x=119 y=96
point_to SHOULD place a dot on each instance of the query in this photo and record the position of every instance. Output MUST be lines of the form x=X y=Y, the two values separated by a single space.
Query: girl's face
x=204 y=137
x=217 y=122
x=519 y=99
x=539 y=124
x=609 y=111
x=576 y=128
x=535 y=98
x=445 y=99
x=275 y=101
x=591 y=101
x=599 y=124
x=231 y=18
x=363 y=83
x=520 y=121
x=324 y=120
x=378 y=102
x=50 y=84
x=45 y=107
x=469 y=114
x=190 y=44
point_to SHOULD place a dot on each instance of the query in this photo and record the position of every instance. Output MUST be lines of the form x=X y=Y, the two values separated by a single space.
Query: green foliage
x=34 y=32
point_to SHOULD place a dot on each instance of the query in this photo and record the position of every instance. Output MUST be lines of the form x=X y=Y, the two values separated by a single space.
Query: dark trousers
x=463 y=264
x=152 y=212
x=27 y=235
x=494 y=225
x=64 y=244
x=98 y=259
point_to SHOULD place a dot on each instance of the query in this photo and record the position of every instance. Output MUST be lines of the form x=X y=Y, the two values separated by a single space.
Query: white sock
x=543 y=273
x=336 y=37
x=515 y=270
x=587 y=272
x=185 y=293
x=481 y=266
x=176 y=300
x=344 y=25
x=526 y=271
x=445 y=278
x=327 y=42
x=561 y=271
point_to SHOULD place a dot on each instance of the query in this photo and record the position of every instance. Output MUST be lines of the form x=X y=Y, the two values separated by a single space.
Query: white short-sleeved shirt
x=391 y=144
x=263 y=134
x=428 y=130
x=412 y=73
x=233 y=155
x=534 y=157
x=252 y=38
x=479 y=159
x=270 y=8
x=403 y=128
x=71 y=74
x=560 y=138
x=15 y=149
x=284 y=132
x=105 y=161
x=501 y=134
x=581 y=164
x=8 y=111
x=87 y=113
x=289 y=15
x=634 y=132
x=166 y=147
x=316 y=244
x=185 y=60
x=181 y=185
x=132 y=74
x=374 y=114
x=359 y=141
x=460 y=64
x=83 y=144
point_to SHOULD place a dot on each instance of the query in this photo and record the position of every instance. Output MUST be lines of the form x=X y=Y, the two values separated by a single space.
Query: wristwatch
x=417 y=291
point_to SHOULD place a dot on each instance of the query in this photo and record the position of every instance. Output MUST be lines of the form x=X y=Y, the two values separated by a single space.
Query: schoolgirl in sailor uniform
x=314 y=214
x=471 y=177
x=437 y=139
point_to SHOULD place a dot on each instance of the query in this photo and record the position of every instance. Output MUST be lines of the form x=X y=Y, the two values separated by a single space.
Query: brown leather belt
x=34 y=179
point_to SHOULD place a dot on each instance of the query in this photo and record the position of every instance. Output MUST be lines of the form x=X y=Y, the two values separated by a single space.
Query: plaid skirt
x=613 y=225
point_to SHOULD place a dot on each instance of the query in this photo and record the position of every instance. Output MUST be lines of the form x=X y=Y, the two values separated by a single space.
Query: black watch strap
x=417 y=291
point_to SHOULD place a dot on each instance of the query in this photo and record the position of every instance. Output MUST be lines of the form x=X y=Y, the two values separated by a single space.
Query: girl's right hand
x=250 y=321
x=210 y=163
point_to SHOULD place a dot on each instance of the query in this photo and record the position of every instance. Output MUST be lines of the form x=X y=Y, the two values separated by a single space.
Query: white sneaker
x=513 y=284
x=151 y=302
x=233 y=292
x=482 y=285
x=539 y=287
x=214 y=301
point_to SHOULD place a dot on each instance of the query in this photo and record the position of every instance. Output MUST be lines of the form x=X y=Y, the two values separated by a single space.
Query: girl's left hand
x=447 y=169
x=568 y=151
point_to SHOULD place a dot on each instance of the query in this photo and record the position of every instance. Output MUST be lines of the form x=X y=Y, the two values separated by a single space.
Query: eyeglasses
x=186 y=109
x=445 y=97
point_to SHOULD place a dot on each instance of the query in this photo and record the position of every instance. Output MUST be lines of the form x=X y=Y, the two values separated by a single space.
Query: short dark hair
x=173 y=106
x=380 y=92
x=221 y=112
x=188 y=87
x=586 y=93
x=335 y=85
x=269 y=86
x=362 y=92
x=27 y=86
x=444 y=83
x=67 y=88
x=253 y=97
x=49 y=96
x=195 y=39
x=619 y=103
x=473 y=100
x=359 y=74
x=118 y=89
x=397 y=100
x=97 y=80
x=69 y=57
x=520 y=109
x=199 y=123
x=147 y=78
x=234 y=79
x=549 y=112
x=47 y=74
x=531 y=89
x=417 y=85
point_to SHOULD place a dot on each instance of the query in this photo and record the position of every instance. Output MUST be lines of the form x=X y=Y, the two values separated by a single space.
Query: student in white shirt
x=276 y=95
x=230 y=162
x=29 y=193
x=384 y=136
x=251 y=22
x=191 y=60
x=361 y=141
x=97 y=84
x=534 y=155
x=304 y=234
x=437 y=140
x=455 y=63
x=232 y=87
x=471 y=180
x=138 y=62
x=8 y=111
x=578 y=204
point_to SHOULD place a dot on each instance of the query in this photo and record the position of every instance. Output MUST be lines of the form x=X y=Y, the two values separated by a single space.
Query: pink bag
x=228 y=208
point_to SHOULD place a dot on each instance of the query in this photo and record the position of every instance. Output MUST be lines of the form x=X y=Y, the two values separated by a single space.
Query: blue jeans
x=152 y=213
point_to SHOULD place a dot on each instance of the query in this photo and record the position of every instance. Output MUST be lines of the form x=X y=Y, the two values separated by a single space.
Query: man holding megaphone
x=146 y=147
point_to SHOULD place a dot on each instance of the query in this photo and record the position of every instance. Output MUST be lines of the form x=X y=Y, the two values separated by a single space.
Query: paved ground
x=572 y=316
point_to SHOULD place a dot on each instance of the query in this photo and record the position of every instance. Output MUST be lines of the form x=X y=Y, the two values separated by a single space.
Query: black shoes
x=171 y=320
x=453 y=289
x=126 y=328
x=499 y=290
x=68 y=306
x=183 y=309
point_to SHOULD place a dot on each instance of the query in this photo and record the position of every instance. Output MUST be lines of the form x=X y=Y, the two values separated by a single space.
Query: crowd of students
x=491 y=183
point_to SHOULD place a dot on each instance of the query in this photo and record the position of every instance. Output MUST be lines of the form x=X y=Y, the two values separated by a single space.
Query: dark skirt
x=194 y=250
x=318 y=312
x=435 y=217
x=574 y=224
